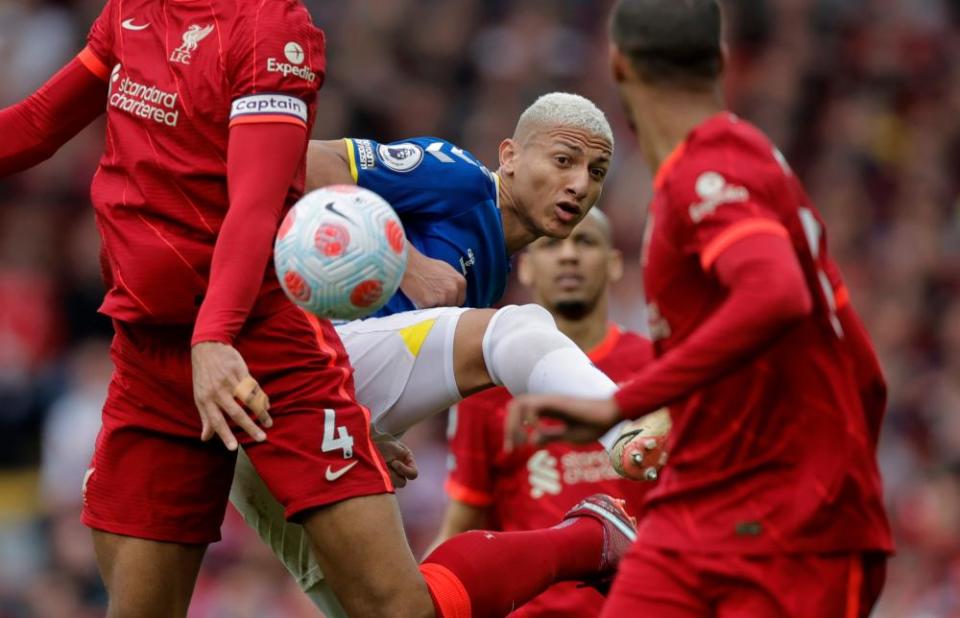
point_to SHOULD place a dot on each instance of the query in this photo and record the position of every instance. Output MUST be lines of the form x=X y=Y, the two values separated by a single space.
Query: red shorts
x=563 y=600
x=151 y=476
x=666 y=584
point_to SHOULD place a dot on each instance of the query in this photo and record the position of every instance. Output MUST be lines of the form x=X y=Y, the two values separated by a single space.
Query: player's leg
x=288 y=540
x=155 y=495
x=523 y=350
x=146 y=578
x=372 y=520
x=465 y=575
x=321 y=595
x=319 y=462
x=464 y=571
x=359 y=545
x=262 y=512
x=383 y=351
x=361 y=548
x=403 y=365
x=500 y=571
x=452 y=353
x=652 y=582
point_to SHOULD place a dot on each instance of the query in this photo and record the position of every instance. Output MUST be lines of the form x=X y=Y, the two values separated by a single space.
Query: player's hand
x=399 y=459
x=220 y=380
x=581 y=420
x=432 y=283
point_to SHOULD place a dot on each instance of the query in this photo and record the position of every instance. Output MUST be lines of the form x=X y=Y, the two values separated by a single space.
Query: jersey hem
x=326 y=498
x=161 y=534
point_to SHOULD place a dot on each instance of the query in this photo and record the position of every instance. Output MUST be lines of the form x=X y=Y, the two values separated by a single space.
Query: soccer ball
x=340 y=252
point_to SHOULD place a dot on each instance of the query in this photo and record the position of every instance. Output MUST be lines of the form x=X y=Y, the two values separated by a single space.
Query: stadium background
x=860 y=94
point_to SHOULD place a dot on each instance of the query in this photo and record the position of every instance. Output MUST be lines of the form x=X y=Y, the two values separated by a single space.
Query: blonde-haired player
x=463 y=222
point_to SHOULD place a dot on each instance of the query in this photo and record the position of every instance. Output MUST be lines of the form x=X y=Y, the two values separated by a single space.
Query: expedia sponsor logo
x=270 y=104
x=143 y=100
x=294 y=52
x=287 y=68
x=365 y=158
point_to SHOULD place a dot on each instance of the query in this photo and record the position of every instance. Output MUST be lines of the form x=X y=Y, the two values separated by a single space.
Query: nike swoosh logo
x=332 y=476
x=334 y=210
x=129 y=25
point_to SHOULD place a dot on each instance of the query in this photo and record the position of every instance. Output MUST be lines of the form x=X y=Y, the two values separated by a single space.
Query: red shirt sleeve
x=98 y=55
x=472 y=449
x=257 y=186
x=276 y=65
x=39 y=125
x=740 y=241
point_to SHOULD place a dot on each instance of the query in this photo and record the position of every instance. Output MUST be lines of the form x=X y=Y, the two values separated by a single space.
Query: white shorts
x=404 y=373
x=403 y=365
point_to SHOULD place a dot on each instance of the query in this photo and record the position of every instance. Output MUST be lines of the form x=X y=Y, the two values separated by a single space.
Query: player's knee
x=525 y=330
x=512 y=320
x=513 y=316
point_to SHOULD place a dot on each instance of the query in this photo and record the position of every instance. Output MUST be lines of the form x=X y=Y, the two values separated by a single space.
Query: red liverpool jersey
x=180 y=73
x=778 y=454
x=532 y=488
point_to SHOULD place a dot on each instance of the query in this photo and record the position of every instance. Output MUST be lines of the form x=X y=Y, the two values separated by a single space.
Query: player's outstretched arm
x=257 y=188
x=767 y=292
x=39 y=125
x=327 y=164
x=583 y=420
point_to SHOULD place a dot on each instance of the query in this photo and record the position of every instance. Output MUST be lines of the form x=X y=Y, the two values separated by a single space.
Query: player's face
x=559 y=173
x=570 y=275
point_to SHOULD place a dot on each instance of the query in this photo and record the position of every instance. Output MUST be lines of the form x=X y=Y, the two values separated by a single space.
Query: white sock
x=525 y=352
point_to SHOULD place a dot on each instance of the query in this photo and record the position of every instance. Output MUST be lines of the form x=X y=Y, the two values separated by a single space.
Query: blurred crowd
x=861 y=95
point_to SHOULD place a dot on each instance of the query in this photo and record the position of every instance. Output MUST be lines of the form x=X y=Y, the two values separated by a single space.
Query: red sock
x=495 y=572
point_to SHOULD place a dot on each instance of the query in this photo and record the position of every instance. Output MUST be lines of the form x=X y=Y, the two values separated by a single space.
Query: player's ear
x=620 y=66
x=508 y=155
x=525 y=270
x=615 y=265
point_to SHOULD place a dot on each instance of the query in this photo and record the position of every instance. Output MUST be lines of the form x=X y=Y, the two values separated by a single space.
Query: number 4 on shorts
x=342 y=440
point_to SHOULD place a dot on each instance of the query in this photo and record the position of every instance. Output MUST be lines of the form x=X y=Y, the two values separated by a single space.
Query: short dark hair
x=670 y=41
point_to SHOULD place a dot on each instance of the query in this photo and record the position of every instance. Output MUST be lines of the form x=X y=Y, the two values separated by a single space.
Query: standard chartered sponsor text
x=146 y=102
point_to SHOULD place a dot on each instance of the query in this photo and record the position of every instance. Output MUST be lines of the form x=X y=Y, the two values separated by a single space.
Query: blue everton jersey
x=447 y=202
